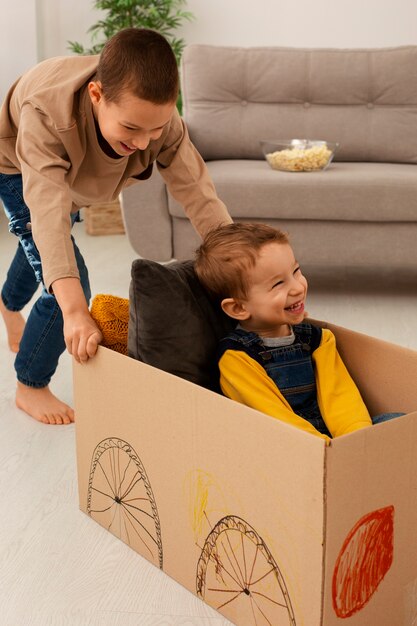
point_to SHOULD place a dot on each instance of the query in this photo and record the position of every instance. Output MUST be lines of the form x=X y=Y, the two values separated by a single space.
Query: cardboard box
x=261 y=520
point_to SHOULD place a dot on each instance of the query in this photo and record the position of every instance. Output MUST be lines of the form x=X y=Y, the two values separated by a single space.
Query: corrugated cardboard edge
x=323 y=575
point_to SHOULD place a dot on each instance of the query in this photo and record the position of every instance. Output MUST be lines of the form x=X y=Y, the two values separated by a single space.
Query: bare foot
x=15 y=325
x=42 y=405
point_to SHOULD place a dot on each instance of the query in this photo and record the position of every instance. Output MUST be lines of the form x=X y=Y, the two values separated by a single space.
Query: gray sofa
x=360 y=214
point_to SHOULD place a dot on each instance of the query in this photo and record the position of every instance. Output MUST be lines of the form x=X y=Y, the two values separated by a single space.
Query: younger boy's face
x=131 y=123
x=277 y=292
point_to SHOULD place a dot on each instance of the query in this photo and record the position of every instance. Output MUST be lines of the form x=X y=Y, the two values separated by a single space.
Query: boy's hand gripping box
x=262 y=521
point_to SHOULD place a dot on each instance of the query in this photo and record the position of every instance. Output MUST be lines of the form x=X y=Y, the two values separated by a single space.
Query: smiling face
x=130 y=123
x=276 y=294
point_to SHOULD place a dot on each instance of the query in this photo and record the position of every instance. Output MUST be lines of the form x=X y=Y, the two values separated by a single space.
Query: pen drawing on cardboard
x=120 y=498
x=235 y=567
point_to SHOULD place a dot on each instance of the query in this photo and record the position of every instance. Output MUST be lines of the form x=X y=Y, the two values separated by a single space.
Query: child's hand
x=81 y=335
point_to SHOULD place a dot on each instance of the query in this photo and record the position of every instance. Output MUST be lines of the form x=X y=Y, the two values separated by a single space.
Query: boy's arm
x=81 y=333
x=340 y=402
x=189 y=180
x=44 y=165
x=244 y=380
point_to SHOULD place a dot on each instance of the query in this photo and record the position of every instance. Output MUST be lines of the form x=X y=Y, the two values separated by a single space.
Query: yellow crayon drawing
x=198 y=486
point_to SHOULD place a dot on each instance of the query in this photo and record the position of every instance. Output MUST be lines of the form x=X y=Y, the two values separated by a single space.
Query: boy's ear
x=234 y=308
x=95 y=91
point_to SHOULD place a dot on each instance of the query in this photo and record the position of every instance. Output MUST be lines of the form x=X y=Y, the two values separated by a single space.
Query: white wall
x=60 y=21
x=18 y=40
x=38 y=29
x=306 y=23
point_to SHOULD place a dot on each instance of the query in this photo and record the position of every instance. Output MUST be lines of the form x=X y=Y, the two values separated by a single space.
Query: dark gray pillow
x=174 y=324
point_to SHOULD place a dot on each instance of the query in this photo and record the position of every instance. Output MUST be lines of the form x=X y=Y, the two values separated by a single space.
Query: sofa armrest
x=147 y=221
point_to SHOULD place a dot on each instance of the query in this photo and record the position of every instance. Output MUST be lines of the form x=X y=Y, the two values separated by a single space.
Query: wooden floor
x=57 y=566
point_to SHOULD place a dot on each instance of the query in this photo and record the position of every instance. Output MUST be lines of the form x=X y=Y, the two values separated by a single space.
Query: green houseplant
x=164 y=16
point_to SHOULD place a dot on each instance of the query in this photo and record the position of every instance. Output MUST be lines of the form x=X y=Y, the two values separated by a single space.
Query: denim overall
x=290 y=367
x=43 y=340
x=292 y=370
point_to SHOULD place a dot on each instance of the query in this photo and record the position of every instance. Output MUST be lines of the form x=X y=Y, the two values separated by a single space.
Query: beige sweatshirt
x=47 y=132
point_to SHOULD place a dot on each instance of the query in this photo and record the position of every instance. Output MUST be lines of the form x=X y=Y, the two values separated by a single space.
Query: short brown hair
x=139 y=61
x=228 y=252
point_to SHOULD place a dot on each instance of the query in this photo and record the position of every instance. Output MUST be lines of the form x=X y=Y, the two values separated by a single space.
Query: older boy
x=273 y=361
x=76 y=130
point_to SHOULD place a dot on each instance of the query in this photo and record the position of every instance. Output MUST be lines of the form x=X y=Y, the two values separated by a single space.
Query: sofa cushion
x=366 y=99
x=174 y=325
x=368 y=192
x=341 y=252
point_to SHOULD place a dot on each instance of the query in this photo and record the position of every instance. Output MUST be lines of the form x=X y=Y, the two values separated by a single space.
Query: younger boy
x=273 y=361
x=74 y=131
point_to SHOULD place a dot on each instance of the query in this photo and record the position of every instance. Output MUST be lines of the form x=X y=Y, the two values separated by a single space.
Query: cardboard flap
x=378 y=368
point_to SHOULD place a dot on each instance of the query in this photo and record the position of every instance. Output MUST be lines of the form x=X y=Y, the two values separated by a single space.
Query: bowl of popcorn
x=299 y=155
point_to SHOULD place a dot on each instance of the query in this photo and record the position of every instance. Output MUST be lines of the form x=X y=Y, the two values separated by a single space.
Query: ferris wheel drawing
x=237 y=567
x=120 y=498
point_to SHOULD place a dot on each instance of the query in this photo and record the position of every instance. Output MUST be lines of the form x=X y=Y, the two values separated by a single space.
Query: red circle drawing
x=363 y=561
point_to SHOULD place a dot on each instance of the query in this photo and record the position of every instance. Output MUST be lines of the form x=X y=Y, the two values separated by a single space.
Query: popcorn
x=299 y=159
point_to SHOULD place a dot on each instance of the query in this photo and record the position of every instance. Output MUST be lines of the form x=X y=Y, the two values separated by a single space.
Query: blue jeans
x=385 y=417
x=43 y=339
